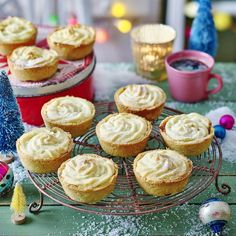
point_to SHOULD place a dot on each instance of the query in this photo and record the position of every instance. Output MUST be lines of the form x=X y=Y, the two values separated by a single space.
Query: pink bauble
x=6 y=178
x=3 y=170
x=227 y=121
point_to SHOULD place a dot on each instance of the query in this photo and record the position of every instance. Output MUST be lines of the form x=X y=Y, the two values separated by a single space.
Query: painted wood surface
x=182 y=220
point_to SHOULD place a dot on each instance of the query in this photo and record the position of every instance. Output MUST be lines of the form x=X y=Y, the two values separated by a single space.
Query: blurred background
x=114 y=19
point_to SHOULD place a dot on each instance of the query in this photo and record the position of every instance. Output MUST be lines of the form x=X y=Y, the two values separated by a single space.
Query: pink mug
x=191 y=86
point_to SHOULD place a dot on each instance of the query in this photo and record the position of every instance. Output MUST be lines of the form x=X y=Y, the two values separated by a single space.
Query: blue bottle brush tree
x=11 y=126
x=203 y=36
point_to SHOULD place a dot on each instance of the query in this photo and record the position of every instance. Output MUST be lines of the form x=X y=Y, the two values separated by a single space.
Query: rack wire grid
x=128 y=198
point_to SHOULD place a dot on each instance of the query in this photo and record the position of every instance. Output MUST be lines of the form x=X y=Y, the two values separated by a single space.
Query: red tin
x=72 y=78
x=30 y=107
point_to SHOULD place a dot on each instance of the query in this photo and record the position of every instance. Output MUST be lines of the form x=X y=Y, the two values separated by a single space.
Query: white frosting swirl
x=142 y=96
x=89 y=171
x=31 y=56
x=14 y=29
x=187 y=127
x=75 y=35
x=123 y=128
x=69 y=109
x=43 y=143
x=157 y=165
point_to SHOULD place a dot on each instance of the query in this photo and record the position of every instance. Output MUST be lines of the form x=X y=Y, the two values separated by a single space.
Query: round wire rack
x=128 y=198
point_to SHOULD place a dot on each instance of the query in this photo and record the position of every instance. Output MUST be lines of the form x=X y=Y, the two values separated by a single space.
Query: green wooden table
x=54 y=219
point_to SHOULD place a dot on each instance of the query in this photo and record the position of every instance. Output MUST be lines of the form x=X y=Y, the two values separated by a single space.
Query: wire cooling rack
x=128 y=198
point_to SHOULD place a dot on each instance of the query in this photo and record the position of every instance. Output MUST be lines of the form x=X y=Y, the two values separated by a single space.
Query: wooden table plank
x=54 y=220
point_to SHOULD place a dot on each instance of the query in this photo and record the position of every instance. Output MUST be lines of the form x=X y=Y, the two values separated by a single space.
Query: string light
x=102 y=35
x=222 y=20
x=118 y=9
x=191 y=8
x=54 y=20
x=124 y=26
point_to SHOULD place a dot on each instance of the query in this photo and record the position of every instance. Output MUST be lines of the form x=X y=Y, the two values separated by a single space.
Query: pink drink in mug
x=189 y=73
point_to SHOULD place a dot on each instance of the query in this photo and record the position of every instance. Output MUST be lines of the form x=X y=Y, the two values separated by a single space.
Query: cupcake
x=31 y=63
x=123 y=134
x=88 y=178
x=141 y=99
x=43 y=150
x=72 y=42
x=16 y=32
x=162 y=172
x=190 y=134
x=72 y=114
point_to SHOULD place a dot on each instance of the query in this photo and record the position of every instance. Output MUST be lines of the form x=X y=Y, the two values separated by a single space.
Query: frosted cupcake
x=162 y=172
x=88 y=177
x=72 y=42
x=16 y=32
x=123 y=134
x=141 y=99
x=72 y=114
x=32 y=63
x=190 y=134
x=43 y=150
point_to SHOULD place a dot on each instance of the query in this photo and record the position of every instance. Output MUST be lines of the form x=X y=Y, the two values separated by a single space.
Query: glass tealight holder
x=151 y=44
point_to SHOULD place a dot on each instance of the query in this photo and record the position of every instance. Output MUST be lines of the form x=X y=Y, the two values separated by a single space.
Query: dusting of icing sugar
x=163 y=223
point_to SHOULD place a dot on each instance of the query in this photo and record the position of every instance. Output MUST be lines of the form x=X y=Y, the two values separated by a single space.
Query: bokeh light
x=102 y=35
x=222 y=20
x=124 y=26
x=118 y=9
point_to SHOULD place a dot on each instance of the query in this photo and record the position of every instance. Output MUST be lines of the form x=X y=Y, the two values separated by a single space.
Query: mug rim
x=193 y=53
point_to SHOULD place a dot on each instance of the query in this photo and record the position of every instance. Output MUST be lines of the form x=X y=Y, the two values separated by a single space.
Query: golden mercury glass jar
x=151 y=43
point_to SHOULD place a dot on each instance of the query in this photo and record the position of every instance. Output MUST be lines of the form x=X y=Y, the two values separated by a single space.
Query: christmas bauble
x=215 y=213
x=227 y=121
x=219 y=131
x=6 y=178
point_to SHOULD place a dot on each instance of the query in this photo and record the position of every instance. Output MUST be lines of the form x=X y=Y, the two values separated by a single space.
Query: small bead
x=219 y=131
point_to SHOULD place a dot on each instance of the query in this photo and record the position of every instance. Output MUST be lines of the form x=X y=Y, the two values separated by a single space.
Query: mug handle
x=220 y=83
